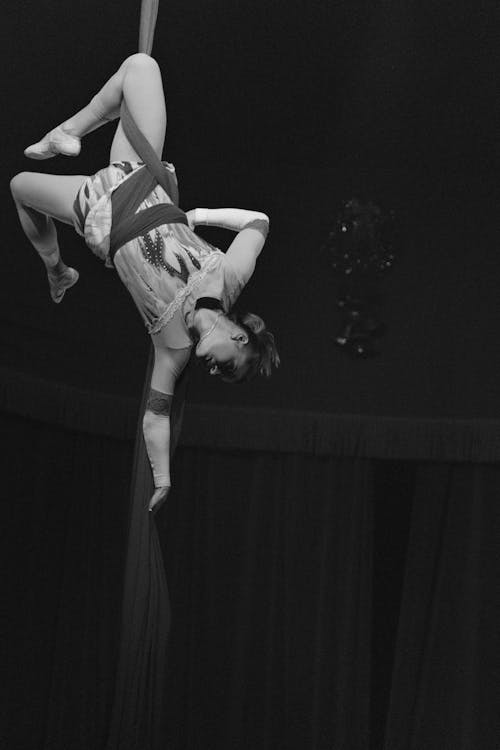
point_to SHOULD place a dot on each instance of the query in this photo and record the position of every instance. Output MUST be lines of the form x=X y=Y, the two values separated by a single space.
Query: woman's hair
x=263 y=353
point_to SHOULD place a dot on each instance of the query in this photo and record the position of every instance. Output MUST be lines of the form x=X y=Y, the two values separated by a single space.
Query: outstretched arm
x=252 y=228
x=156 y=430
x=168 y=365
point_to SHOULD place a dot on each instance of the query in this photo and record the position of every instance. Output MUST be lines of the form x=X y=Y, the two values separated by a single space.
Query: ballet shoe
x=55 y=142
x=59 y=284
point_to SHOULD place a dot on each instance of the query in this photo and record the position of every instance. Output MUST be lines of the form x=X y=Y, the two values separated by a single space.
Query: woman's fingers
x=159 y=497
x=190 y=215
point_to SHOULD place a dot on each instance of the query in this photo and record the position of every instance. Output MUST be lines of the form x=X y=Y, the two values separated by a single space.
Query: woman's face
x=224 y=353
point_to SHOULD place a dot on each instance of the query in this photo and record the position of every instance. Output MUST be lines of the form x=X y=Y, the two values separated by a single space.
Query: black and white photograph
x=250 y=375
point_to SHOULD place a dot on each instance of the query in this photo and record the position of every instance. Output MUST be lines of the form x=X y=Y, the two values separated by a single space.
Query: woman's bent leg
x=39 y=199
x=137 y=82
x=142 y=89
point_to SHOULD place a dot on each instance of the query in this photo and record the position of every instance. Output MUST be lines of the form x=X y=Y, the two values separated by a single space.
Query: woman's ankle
x=88 y=119
x=70 y=127
x=55 y=266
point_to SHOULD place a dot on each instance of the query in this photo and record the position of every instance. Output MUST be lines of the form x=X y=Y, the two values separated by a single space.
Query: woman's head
x=239 y=348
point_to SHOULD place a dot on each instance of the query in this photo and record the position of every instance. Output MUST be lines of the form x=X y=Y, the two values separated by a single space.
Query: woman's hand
x=191 y=215
x=159 y=497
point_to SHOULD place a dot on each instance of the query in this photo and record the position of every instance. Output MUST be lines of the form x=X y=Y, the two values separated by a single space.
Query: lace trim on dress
x=194 y=281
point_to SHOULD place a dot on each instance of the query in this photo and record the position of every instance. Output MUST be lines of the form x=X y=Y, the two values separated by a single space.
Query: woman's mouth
x=211 y=366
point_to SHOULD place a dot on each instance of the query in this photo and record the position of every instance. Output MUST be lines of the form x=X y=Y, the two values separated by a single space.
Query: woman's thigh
x=143 y=94
x=49 y=194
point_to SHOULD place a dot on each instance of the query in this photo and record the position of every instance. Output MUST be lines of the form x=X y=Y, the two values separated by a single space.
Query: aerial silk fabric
x=128 y=223
x=138 y=705
x=147 y=24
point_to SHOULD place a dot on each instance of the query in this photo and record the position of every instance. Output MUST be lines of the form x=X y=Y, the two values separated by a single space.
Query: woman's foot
x=57 y=141
x=59 y=282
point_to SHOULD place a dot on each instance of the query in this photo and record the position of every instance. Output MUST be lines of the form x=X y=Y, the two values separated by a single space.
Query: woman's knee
x=18 y=184
x=141 y=61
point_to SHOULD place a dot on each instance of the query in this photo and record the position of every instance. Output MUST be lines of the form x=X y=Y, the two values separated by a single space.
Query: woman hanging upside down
x=183 y=287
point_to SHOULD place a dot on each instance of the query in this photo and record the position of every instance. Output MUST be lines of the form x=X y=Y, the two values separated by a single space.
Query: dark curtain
x=277 y=549
x=64 y=518
x=317 y=601
x=445 y=687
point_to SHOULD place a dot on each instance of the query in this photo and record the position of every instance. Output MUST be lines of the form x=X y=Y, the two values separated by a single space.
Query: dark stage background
x=331 y=543
x=287 y=108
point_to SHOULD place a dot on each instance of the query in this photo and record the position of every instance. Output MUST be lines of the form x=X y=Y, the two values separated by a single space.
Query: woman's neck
x=204 y=320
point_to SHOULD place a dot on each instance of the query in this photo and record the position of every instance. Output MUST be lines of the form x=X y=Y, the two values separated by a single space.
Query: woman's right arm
x=252 y=228
x=156 y=430
x=169 y=364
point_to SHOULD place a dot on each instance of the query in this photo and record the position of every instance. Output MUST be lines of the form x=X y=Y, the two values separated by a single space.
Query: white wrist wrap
x=201 y=216
x=161 y=480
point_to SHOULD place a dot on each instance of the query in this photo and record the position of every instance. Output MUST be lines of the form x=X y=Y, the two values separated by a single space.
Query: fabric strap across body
x=125 y=200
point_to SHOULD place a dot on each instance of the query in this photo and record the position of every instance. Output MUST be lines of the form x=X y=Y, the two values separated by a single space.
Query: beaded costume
x=167 y=268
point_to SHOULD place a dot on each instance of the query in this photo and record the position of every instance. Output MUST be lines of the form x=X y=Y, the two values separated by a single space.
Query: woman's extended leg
x=138 y=82
x=39 y=199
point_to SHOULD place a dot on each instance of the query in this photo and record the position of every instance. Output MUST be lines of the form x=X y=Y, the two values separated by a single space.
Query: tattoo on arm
x=159 y=403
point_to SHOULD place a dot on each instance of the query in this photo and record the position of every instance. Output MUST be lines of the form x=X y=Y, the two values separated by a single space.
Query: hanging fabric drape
x=138 y=705
x=147 y=25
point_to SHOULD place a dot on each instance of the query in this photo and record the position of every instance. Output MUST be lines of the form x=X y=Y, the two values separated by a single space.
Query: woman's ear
x=241 y=337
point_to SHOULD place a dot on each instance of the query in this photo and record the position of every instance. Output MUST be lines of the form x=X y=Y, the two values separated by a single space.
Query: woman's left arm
x=234 y=219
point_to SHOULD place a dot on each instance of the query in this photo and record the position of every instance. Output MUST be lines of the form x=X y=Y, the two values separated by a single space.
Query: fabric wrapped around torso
x=165 y=269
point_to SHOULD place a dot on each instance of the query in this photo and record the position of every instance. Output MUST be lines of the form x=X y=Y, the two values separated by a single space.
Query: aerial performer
x=183 y=287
